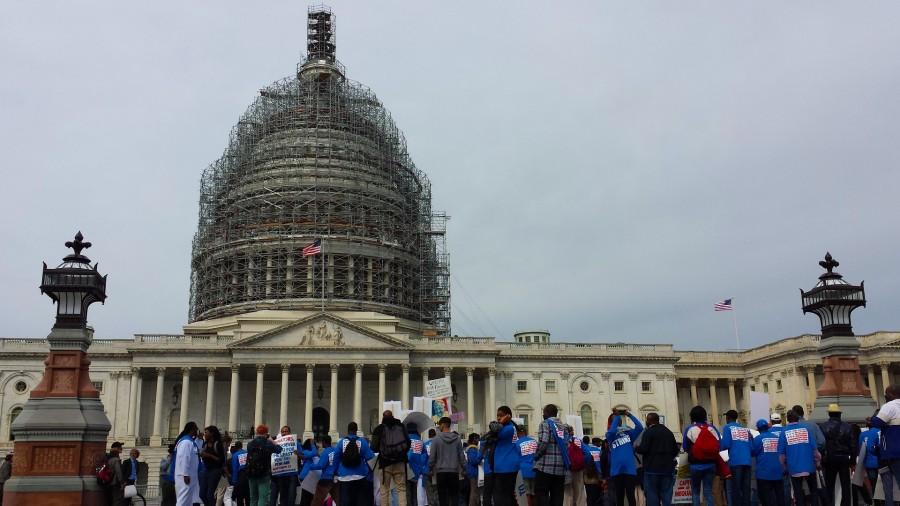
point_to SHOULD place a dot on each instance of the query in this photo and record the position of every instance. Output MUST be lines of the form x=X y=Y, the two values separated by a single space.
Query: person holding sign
x=284 y=469
x=259 y=465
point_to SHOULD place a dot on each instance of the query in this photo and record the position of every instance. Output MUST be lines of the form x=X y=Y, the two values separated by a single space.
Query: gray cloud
x=611 y=169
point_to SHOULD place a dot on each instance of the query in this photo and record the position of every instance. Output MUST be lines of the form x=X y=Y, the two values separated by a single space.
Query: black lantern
x=833 y=299
x=320 y=392
x=74 y=285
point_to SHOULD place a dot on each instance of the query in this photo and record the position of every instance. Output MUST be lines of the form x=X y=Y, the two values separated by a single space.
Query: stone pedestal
x=843 y=384
x=62 y=430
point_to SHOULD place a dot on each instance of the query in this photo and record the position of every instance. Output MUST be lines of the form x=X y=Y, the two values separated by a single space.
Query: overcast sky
x=611 y=169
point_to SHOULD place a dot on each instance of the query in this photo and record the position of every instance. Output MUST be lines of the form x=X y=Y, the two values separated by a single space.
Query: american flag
x=313 y=249
x=724 y=305
x=770 y=445
x=740 y=434
x=528 y=447
x=416 y=446
x=796 y=436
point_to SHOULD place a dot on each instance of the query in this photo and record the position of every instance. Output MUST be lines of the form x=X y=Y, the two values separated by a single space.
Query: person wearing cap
x=527 y=448
x=840 y=452
x=769 y=469
x=736 y=439
x=775 y=422
x=798 y=452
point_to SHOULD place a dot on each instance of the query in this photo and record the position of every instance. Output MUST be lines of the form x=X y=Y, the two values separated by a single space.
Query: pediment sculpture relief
x=322 y=335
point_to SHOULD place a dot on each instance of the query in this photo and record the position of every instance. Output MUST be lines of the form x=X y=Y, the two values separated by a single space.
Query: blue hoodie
x=417 y=456
x=506 y=453
x=621 y=460
x=236 y=465
x=526 y=447
x=798 y=447
x=473 y=458
x=736 y=439
x=768 y=459
x=308 y=456
x=325 y=464
x=888 y=421
x=365 y=455
x=870 y=439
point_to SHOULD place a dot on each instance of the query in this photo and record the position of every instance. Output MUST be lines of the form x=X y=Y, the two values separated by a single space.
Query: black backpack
x=350 y=456
x=393 y=444
x=258 y=460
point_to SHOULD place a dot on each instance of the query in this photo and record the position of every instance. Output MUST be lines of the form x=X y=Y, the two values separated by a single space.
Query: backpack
x=350 y=456
x=706 y=447
x=393 y=444
x=104 y=475
x=258 y=461
x=576 y=457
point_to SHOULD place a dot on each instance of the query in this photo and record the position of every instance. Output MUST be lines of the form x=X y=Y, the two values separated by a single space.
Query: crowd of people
x=776 y=462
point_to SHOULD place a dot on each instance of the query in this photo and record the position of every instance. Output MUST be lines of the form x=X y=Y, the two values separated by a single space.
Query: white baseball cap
x=775 y=417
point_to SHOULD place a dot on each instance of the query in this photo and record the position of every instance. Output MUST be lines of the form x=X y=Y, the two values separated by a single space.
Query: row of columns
x=878 y=393
x=156 y=437
x=713 y=412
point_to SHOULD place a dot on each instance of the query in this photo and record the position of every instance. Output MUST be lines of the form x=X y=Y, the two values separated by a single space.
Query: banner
x=439 y=388
x=682 y=491
x=286 y=461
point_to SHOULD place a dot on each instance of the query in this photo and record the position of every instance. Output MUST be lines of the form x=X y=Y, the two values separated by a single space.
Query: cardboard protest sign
x=286 y=461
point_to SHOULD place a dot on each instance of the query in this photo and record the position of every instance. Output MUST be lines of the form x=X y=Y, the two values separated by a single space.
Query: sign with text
x=439 y=388
x=286 y=461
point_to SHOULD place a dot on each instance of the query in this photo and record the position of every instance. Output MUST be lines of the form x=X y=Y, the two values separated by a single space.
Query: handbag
x=130 y=491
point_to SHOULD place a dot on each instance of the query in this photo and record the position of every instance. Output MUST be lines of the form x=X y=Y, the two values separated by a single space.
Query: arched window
x=13 y=414
x=587 y=419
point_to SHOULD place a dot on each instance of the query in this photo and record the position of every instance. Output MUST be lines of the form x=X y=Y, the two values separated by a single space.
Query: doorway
x=320 y=422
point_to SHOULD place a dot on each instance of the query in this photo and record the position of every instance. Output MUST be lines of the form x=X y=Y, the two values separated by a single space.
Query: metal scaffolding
x=317 y=156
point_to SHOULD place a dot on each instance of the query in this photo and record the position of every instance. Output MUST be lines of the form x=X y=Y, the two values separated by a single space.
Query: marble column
x=714 y=402
x=137 y=404
x=694 y=400
x=470 y=398
x=488 y=416
x=185 y=397
x=404 y=388
x=307 y=412
x=233 y=398
x=113 y=402
x=732 y=396
x=210 y=394
x=283 y=405
x=873 y=387
x=156 y=437
x=132 y=402
x=424 y=380
x=492 y=390
x=357 y=393
x=811 y=391
x=258 y=406
x=885 y=378
x=381 y=387
x=332 y=415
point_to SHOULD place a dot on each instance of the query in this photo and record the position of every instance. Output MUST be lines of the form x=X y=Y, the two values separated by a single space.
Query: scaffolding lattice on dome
x=317 y=156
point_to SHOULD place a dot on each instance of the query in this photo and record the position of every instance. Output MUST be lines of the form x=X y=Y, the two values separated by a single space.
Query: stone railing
x=444 y=340
x=18 y=342
x=879 y=339
x=162 y=339
x=650 y=350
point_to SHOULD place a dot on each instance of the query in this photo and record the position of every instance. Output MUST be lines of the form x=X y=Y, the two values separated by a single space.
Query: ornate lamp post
x=61 y=432
x=832 y=300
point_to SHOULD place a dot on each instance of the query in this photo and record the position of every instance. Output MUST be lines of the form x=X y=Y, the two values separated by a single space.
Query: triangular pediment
x=320 y=331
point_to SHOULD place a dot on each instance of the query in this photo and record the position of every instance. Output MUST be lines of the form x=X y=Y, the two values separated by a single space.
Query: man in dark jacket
x=259 y=464
x=391 y=441
x=659 y=450
x=117 y=487
x=840 y=453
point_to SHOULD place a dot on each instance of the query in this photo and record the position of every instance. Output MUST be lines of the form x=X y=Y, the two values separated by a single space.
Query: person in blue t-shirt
x=622 y=465
x=352 y=476
x=526 y=448
x=797 y=448
x=769 y=469
x=736 y=439
x=870 y=439
x=326 y=465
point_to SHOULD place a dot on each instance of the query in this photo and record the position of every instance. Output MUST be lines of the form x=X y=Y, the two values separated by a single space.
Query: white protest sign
x=286 y=461
x=439 y=388
x=759 y=407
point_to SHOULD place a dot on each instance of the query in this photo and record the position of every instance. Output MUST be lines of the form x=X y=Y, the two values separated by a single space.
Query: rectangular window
x=752 y=388
x=98 y=385
x=550 y=385
x=778 y=385
x=524 y=417
x=645 y=386
x=765 y=387
x=619 y=386
x=521 y=386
